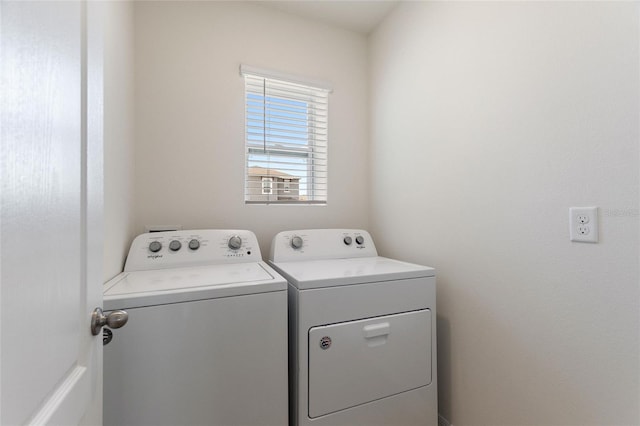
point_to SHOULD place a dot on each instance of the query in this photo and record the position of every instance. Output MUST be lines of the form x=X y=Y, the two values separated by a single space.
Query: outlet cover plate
x=583 y=224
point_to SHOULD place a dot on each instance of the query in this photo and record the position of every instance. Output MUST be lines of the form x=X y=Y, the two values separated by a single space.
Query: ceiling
x=361 y=16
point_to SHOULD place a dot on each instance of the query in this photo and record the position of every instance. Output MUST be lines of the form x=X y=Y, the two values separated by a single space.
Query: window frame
x=269 y=185
x=311 y=185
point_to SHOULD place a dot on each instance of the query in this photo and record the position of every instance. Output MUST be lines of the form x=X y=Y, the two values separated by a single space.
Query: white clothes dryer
x=206 y=339
x=362 y=332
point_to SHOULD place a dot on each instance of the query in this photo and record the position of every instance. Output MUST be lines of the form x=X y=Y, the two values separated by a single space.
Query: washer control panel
x=311 y=244
x=175 y=249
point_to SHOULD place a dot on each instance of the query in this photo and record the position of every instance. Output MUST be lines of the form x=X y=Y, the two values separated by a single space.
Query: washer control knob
x=235 y=242
x=296 y=242
x=348 y=240
x=194 y=244
x=175 y=245
x=155 y=246
x=360 y=239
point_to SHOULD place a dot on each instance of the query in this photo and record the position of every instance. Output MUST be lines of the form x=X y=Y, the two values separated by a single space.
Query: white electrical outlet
x=583 y=224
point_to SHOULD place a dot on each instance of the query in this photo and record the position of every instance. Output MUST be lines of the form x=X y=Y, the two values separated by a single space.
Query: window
x=267 y=185
x=286 y=126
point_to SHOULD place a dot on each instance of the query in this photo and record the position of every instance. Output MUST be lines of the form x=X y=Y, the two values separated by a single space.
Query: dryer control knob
x=296 y=242
x=360 y=239
x=347 y=240
x=194 y=244
x=235 y=242
x=155 y=246
x=175 y=245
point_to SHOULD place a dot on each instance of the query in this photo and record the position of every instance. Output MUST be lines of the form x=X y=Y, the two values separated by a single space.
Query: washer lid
x=154 y=287
x=336 y=272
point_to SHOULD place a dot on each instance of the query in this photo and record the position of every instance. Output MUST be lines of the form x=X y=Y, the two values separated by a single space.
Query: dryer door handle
x=376 y=330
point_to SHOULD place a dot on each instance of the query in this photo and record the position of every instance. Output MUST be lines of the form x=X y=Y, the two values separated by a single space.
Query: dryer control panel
x=315 y=244
x=175 y=249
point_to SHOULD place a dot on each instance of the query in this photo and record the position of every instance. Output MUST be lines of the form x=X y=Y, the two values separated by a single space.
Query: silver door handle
x=115 y=319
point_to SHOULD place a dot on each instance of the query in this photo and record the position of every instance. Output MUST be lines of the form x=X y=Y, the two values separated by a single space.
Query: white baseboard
x=442 y=421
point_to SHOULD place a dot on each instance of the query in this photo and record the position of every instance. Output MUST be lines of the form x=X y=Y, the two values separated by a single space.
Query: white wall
x=118 y=135
x=489 y=120
x=190 y=114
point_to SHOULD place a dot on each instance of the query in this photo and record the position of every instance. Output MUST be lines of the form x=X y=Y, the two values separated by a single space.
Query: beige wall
x=118 y=135
x=190 y=114
x=489 y=120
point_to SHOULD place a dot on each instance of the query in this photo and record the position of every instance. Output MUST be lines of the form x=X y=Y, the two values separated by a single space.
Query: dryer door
x=355 y=362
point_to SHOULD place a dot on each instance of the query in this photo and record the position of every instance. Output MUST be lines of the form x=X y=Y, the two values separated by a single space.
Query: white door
x=51 y=204
x=356 y=362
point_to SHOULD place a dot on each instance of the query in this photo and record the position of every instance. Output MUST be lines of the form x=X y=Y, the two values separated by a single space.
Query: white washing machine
x=362 y=332
x=206 y=339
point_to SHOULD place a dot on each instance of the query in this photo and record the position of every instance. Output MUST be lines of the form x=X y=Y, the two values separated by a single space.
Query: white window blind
x=286 y=140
